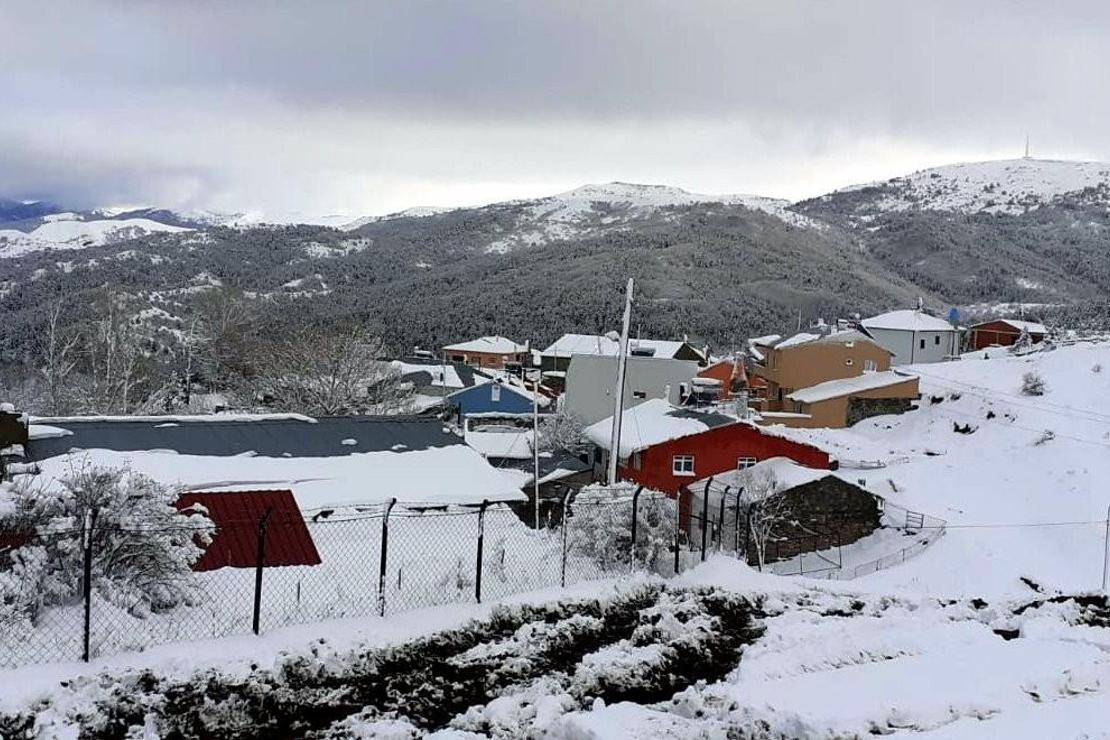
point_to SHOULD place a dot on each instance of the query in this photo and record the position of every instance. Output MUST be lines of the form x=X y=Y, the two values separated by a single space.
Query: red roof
x=236 y=515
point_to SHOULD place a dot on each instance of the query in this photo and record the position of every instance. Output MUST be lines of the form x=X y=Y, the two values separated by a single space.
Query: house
x=807 y=359
x=431 y=380
x=1003 y=333
x=492 y=352
x=824 y=509
x=913 y=336
x=591 y=380
x=500 y=395
x=324 y=461
x=557 y=357
x=665 y=448
x=830 y=380
x=846 y=401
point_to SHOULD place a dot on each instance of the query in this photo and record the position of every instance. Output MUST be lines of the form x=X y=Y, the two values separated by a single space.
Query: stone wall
x=864 y=408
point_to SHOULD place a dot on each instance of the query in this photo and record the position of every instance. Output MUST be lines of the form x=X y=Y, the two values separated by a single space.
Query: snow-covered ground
x=991 y=631
x=67 y=231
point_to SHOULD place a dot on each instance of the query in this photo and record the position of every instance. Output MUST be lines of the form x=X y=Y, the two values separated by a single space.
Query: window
x=870 y=366
x=936 y=339
x=849 y=362
x=745 y=462
x=682 y=465
x=495 y=392
x=639 y=394
x=922 y=345
x=637 y=461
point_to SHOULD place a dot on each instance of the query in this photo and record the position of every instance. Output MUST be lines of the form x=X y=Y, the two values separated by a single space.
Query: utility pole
x=618 y=396
x=536 y=442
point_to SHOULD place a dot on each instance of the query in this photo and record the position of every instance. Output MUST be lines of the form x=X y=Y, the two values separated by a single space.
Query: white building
x=591 y=380
x=914 y=336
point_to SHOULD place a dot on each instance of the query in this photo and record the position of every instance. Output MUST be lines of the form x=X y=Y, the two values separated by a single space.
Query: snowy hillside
x=593 y=208
x=1000 y=186
x=1021 y=485
x=69 y=231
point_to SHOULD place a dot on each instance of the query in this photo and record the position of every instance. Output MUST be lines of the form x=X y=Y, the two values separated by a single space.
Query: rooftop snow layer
x=847 y=386
x=787 y=474
x=454 y=474
x=653 y=422
x=594 y=344
x=907 y=320
x=495 y=344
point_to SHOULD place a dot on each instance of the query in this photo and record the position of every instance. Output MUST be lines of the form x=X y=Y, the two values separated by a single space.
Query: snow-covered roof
x=1031 y=327
x=794 y=341
x=454 y=474
x=653 y=422
x=847 y=386
x=834 y=337
x=513 y=444
x=496 y=345
x=596 y=344
x=765 y=341
x=787 y=474
x=541 y=400
x=907 y=320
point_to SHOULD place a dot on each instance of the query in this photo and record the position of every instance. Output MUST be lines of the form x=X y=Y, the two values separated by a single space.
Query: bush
x=1032 y=384
x=600 y=527
x=143 y=548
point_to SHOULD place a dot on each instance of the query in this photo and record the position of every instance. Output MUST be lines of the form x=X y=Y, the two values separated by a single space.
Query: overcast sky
x=305 y=109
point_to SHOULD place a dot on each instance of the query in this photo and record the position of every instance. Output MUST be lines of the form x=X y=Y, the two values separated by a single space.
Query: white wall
x=907 y=345
x=591 y=380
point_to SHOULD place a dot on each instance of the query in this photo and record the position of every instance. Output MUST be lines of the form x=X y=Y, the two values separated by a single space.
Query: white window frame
x=495 y=393
x=870 y=366
x=743 y=463
x=683 y=465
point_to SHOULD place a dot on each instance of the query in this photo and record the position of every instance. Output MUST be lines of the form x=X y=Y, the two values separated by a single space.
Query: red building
x=1003 y=333
x=666 y=448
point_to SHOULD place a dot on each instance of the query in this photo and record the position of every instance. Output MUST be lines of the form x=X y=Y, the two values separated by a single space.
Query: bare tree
x=767 y=510
x=317 y=370
x=58 y=354
x=222 y=337
x=561 y=432
x=114 y=358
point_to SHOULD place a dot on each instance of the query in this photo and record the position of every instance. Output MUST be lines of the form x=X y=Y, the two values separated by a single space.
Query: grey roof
x=468 y=375
x=549 y=463
x=711 y=419
x=267 y=437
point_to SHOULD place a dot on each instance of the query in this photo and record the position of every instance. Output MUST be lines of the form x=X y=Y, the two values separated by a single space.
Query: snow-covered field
x=993 y=630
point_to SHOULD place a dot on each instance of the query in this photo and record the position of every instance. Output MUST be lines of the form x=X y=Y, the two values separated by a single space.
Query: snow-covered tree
x=600 y=526
x=767 y=512
x=143 y=547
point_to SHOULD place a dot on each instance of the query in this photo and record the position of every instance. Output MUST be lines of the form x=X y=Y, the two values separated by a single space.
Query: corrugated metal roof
x=237 y=516
x=268 y=437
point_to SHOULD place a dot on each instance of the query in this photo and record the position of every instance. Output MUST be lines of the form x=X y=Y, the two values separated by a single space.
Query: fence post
x=705 y=517
x=635 y=519
x=721 y=521
x=563 y=577
x=739 y=495
x=383 y=557
x=677 y=526
x=259 y=564
x=86 y=582
x=481 y=538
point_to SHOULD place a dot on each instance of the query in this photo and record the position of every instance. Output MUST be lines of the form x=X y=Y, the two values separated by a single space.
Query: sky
x=327 y=110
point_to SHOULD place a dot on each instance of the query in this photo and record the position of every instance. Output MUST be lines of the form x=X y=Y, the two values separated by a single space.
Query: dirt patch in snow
x=522 y=663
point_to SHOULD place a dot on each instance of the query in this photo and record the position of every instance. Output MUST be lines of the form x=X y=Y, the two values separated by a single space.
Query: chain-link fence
x=60 y=600
x=70 y=595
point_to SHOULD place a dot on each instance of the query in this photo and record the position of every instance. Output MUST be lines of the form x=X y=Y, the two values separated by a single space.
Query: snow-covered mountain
x=999 y=186
x=70 y=231
x=590 y=210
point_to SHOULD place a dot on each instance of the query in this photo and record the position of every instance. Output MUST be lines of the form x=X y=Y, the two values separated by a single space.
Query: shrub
x=1032 y=384
x=143 y=547
x=600 y=527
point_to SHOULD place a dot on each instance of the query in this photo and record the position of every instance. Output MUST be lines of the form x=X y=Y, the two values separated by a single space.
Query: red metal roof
x=236 y=515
